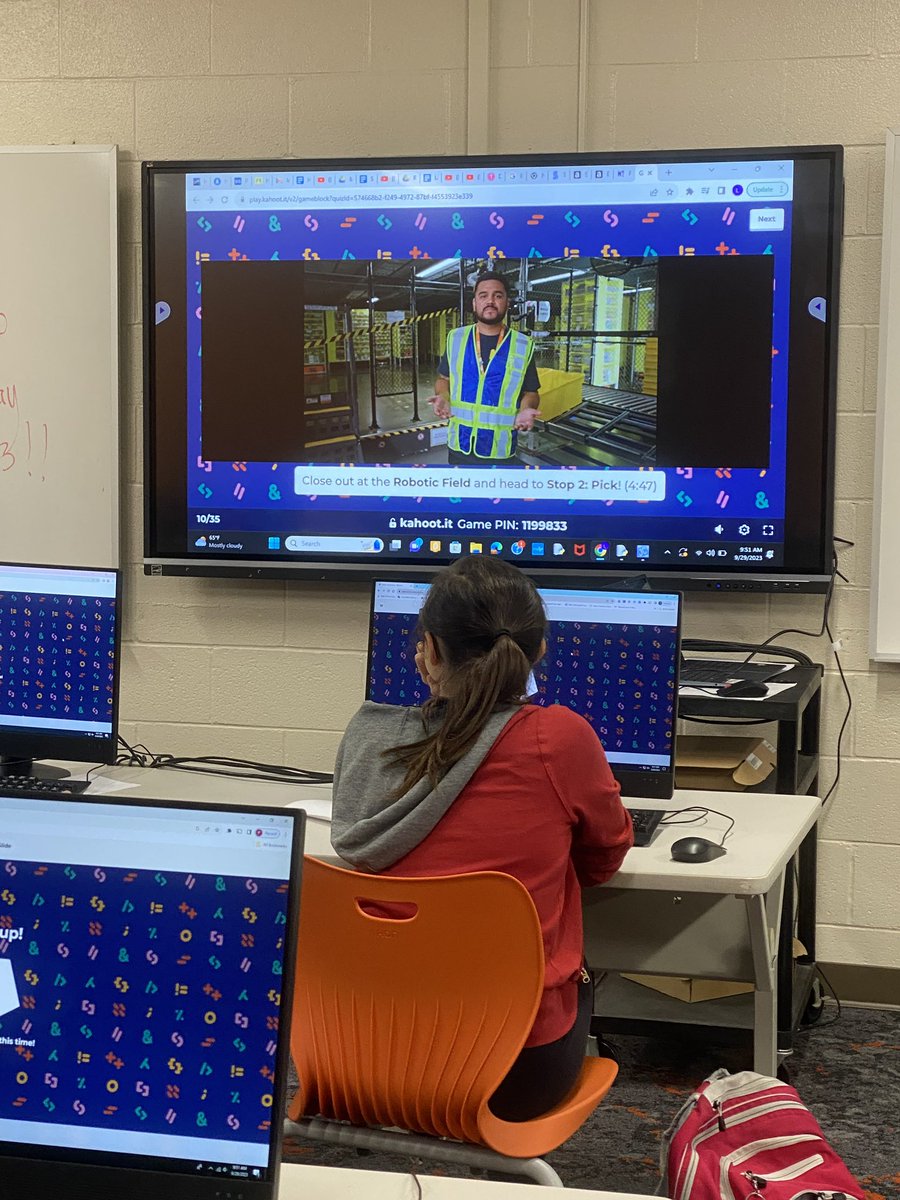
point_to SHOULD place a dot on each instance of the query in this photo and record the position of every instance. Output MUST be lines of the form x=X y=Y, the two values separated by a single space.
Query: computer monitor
x=145 y=988
x=59 y=666
x=675 y=310
x=611 y=656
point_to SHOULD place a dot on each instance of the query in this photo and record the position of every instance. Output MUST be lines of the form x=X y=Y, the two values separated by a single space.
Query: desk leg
x=763 y=921
x=786 y=964
x=806 y=897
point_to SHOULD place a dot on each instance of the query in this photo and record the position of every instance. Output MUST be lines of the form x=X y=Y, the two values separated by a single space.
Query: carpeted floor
x=848 y=1073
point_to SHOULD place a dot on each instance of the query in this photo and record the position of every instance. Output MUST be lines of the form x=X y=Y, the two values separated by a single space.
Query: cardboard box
x=723 y=764
x=691 y=990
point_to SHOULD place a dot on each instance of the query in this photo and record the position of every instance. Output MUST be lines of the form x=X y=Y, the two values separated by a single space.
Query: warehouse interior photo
x=375 y=331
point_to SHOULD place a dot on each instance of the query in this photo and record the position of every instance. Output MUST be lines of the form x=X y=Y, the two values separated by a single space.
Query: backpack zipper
x=739 y=1119
x=786 y=1173
x=749 y=1149
x=742 y=1084
x=737 y=1105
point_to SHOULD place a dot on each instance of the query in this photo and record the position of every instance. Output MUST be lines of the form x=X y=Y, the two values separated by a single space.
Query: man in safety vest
x=487 y=382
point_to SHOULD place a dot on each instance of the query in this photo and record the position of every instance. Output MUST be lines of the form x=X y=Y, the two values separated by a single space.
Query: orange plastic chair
x=412 y=1022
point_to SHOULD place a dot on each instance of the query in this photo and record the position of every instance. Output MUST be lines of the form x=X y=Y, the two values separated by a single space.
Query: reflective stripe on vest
x=480 y=423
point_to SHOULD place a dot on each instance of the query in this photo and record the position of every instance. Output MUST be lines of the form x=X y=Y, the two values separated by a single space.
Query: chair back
x=413 y=997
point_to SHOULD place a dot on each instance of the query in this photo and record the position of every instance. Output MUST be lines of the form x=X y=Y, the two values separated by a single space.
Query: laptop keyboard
x=704 y=672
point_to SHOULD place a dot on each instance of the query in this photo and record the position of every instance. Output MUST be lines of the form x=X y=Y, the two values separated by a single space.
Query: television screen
x=586 y=364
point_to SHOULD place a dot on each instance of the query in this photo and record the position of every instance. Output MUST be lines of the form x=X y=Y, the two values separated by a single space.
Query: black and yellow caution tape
x=389 y=433
x=334 y=338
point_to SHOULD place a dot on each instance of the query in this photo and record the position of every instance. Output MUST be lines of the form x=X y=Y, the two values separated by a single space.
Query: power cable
x=229 y=768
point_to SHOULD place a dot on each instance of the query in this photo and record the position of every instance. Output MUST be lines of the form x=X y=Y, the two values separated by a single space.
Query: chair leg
x=603 y=1048
x=606 y=1050
x=535 y=1169
x=421 y=1146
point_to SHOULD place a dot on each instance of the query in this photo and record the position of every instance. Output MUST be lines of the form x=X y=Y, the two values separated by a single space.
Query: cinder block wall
x=273 y=670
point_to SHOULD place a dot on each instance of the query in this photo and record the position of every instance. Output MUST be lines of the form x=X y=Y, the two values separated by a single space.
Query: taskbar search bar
x=333 y=545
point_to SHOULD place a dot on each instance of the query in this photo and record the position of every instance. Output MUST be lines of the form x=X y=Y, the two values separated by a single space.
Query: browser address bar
x=304 y=200
x=499 y=195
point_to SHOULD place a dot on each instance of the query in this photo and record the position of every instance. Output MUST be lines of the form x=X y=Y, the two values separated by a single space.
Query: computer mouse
x=747 y=689
x=696 y=850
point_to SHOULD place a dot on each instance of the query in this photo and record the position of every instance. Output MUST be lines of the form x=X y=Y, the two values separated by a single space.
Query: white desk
x=717 y=920
x=302 y=1182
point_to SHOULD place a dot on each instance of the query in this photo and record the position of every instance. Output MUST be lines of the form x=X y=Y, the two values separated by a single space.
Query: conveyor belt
x=635 y=401
x=561 y=454
x=609 y=425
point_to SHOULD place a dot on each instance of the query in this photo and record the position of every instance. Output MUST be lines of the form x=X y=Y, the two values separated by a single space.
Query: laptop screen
x=59 y=662
x=142 y=951
x=611 y=656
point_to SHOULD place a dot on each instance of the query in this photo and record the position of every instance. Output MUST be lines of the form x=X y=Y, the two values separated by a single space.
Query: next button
x=769 y=219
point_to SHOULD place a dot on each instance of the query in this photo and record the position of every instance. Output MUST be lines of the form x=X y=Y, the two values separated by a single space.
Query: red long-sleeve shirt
x=545 y=808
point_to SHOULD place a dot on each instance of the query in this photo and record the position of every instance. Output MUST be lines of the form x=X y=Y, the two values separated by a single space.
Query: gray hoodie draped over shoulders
x=371 y=829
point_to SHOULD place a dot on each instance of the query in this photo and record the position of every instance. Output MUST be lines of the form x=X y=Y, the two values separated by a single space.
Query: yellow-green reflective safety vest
x=484 y=402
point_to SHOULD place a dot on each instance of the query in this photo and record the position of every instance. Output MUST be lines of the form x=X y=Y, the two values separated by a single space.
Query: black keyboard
x=645 y=821
x=32 y=785
x=701 y=672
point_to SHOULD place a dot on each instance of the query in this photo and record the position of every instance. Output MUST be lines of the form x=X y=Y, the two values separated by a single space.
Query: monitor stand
x=10 y=766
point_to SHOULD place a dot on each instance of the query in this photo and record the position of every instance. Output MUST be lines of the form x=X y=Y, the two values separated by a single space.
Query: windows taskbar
x=763 y=552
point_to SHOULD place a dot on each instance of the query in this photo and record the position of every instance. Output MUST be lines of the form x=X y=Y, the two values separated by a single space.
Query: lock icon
x=392 y=524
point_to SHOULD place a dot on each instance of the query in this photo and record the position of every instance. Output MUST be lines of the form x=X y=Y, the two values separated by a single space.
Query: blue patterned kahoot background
x=147 y=1000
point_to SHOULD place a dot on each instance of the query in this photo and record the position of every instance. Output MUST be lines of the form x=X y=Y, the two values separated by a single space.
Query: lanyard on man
x=482 y=365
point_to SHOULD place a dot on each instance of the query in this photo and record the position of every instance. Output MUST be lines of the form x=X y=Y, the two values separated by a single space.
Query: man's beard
x=496 y=318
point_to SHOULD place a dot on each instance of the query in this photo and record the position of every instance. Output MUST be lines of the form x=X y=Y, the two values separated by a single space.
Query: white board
x=59 y=370
x=884 y=637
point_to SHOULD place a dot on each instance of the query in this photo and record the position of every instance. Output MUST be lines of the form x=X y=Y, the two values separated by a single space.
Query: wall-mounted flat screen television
x=593 y=365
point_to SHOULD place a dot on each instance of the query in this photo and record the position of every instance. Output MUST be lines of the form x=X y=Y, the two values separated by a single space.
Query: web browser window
x=673 y=312
x=142 y=950
x=611 y=657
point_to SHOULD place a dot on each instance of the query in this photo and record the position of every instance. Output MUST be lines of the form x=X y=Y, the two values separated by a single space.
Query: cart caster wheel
x=815 y=1004
x=783 y=1073
x=606 y=1049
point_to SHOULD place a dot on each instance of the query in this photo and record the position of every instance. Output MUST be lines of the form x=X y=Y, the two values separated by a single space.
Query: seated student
x=480 y=780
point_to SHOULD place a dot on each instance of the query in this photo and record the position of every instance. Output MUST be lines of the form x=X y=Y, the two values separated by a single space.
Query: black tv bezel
x=48 y=1173
x=634 y=785
x=814 y=579
x=71 y=747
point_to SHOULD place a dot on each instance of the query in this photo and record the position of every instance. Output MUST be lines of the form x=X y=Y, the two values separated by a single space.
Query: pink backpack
x=749 y=1137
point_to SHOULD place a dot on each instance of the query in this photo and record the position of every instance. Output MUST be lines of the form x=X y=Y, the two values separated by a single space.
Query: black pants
x=542 y=1075
x=456 y=458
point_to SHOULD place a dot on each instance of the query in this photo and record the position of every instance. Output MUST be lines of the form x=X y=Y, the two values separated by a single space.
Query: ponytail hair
x=489 y=623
